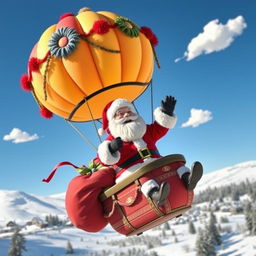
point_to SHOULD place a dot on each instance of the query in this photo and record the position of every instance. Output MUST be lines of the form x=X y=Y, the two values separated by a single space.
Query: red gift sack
x=82 y=203
x=129 y=212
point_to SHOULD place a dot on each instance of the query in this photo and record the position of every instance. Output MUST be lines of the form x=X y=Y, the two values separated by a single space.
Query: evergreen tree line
x=149 y=241
x=130 y=252
x=208 y=238
x=233 y=191
x=53 y=220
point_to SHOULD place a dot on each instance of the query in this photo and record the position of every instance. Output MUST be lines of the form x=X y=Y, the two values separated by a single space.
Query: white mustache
x=126 y=119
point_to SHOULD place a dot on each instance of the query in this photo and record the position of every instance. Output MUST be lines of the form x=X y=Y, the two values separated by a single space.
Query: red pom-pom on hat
x=46 y=113
x=25 y=83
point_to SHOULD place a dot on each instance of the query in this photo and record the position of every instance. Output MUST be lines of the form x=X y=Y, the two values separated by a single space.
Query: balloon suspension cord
x=151 y=100
x=82 y=135
x=94 y=123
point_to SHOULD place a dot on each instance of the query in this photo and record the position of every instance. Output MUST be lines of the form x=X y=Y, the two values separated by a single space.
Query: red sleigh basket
x=130 y=213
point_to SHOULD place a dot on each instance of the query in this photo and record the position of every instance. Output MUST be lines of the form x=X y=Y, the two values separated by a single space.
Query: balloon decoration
x=85 y=61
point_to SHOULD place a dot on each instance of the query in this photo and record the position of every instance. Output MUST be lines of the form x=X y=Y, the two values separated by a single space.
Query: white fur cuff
x=164 y=119
x=147 y=186
x=183 y=169
x=105 y=156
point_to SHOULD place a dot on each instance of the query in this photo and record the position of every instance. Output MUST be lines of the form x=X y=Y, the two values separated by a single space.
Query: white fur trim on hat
x=164 y=119
x=105 y=155
x=117 y=104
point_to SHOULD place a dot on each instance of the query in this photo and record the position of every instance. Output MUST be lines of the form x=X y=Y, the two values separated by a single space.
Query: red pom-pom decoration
x=46 y=113
x=150 y=35
x=25 y=83
x=33 y=64
x=100 y=26
x=66 y=15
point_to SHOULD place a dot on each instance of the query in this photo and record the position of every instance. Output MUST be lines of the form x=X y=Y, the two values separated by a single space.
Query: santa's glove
x=115 y=145
x=168 y=105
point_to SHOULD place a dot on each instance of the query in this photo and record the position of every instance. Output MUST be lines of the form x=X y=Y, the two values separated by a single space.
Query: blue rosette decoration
x=63 y=42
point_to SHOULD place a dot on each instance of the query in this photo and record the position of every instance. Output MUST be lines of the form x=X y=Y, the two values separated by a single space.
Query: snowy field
x=54 y=242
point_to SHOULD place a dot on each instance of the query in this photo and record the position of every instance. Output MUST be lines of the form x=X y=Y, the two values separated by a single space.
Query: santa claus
x=131 y=144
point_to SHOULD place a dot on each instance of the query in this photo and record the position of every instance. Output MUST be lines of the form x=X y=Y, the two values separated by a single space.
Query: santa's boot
x=190 y=179
x=160 y=194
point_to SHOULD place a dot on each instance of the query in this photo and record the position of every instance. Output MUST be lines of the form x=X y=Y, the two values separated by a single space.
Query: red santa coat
x=153 y=133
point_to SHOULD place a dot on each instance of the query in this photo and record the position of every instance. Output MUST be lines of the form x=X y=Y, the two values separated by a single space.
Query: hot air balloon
x=79 y=65
x=85 y=61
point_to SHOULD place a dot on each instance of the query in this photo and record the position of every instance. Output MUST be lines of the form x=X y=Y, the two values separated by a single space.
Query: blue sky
x=215 y=92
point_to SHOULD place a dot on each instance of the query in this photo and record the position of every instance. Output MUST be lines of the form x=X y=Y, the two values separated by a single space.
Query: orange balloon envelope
x=85 y=61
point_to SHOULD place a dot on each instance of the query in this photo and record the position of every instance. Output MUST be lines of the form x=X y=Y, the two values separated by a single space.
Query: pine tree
x=214 y=234
x=69 y=248
x=153 y=253
x=204 y=246
x=163 y=233
x=235 y=193
x=166 y=226
x=248 y=217
x=253 y=214
x=191 y=228
x=17 y=244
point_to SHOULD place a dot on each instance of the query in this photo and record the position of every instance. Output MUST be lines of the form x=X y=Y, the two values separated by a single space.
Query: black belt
x=142 y=154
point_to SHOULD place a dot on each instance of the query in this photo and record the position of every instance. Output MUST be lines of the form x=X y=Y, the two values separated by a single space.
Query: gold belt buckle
x=144 y=153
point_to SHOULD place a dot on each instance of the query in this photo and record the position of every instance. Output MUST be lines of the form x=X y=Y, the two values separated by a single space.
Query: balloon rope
x=99 y=46
x=82 y=135
x=156 y=59
x=95 y=127
x=35 y=97
x=45 y=73
x=151 y=99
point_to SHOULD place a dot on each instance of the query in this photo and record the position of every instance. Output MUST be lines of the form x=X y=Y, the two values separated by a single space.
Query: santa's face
x=127 y=125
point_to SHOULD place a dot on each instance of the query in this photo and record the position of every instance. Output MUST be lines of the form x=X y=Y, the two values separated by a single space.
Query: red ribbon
x=56 y=168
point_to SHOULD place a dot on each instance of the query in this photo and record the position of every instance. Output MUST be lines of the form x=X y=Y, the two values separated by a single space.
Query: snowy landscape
x=225 y=194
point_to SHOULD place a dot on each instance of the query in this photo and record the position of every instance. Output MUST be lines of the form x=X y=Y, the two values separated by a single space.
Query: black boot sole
x=195 y=176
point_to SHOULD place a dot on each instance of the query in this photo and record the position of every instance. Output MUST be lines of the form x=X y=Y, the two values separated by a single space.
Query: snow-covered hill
x=233 y=174
x=20 y=207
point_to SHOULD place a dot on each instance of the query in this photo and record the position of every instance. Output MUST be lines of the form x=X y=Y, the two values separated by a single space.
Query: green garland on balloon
x=127 y=26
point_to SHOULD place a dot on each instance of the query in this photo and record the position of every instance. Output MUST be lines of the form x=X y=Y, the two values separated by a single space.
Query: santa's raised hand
x=168 y=105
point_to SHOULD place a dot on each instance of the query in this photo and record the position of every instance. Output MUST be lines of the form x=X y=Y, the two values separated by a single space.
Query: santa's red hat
x=110 y=110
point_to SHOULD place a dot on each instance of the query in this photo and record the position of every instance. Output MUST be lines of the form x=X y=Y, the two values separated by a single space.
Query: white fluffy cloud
x=215 y=37
x=197 y=117
x=18 y=136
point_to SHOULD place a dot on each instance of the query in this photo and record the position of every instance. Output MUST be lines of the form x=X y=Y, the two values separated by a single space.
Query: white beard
x=130 y=131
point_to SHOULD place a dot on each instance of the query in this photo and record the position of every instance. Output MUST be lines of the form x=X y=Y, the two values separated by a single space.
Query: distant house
x=37 y=222
x=12 y=224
